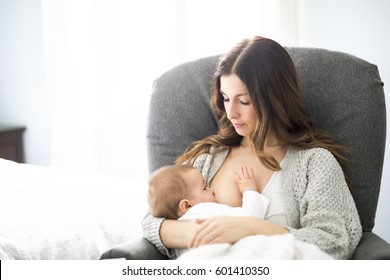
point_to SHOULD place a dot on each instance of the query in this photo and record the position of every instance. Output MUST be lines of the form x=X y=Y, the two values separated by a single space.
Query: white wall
x=22 y=87
x=359 y=27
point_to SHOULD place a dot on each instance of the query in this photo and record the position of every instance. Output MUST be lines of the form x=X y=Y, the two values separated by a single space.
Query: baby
x=180 y=192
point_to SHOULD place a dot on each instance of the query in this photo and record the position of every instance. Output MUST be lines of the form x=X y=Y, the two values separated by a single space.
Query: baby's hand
x=245 y=179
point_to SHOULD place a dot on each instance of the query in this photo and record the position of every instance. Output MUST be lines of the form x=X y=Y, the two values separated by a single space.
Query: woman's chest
x=224 y=184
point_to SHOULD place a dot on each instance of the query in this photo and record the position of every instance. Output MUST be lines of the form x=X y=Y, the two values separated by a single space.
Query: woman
x=263 y=124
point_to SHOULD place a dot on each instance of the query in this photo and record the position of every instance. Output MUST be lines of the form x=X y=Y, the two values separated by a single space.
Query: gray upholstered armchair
x=344 y=95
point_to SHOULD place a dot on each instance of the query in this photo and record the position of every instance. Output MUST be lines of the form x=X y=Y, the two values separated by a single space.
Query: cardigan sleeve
x=327 y=213
x=151 y=231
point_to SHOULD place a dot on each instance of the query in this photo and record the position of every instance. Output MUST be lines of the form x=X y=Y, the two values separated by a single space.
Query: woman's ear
x=184 y=205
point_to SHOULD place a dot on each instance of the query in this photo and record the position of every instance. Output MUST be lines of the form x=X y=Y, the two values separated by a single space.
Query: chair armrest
x=140 y=249
x=372 y=247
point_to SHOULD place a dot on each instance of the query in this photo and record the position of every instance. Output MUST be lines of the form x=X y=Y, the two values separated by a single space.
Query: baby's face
x=200 y=192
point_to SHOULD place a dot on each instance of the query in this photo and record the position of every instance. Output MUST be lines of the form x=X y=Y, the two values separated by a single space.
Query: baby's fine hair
x=167 y=188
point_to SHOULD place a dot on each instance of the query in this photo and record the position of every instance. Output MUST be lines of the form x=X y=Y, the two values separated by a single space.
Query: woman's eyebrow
x=237 y=95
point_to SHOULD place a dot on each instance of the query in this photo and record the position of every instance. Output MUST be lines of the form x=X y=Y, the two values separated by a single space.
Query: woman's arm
x=226 y=229
x=177 y=234
x=151 y=231
x=327 y=213
x=166 y=234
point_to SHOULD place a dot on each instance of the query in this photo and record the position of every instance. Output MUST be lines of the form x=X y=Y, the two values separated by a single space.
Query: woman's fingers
x=215 y=230
x=200 y=221
x=227 y=229
x=206 y=234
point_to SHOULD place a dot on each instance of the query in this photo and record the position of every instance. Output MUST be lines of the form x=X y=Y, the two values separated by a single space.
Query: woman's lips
x=238 y=125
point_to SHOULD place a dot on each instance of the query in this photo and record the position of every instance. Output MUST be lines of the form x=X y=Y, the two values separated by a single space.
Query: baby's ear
x=184 y=205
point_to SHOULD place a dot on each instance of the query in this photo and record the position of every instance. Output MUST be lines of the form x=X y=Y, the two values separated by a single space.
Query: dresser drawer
x=11 y=143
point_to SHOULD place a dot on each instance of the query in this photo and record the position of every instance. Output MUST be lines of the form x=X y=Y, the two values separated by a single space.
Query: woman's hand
x=226 y=229
x=223 y=229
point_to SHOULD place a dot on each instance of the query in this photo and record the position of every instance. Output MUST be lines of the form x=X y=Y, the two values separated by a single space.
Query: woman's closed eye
x=241 y=101
x=245 y=103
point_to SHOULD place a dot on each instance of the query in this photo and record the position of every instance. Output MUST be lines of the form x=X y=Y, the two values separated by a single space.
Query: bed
x=57 y=214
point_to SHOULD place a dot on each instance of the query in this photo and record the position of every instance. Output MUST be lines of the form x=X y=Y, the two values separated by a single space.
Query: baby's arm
x=245 y=179
x=253 y=202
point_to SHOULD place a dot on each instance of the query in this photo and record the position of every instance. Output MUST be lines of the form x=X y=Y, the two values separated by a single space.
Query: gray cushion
x=179 y=111
x=372 y=247
x=346 y=98
x=139 y=249
x=343 y=93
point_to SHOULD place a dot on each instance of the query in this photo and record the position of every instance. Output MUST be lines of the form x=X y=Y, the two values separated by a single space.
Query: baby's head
x=174 y=189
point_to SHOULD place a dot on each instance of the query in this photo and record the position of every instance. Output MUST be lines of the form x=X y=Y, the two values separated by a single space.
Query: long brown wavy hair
x=271 y=79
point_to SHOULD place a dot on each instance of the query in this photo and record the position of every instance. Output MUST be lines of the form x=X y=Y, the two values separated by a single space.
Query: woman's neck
x=246 y=143
x=271 y=144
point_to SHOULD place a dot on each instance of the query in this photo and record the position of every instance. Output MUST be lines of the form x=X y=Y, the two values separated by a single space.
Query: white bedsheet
x=48 y=213
x=259 y=247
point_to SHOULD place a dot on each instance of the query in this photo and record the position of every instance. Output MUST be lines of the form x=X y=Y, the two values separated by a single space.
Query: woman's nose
x=231 y=111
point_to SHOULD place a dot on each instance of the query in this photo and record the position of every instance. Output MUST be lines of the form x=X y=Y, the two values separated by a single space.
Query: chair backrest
x=343 y=93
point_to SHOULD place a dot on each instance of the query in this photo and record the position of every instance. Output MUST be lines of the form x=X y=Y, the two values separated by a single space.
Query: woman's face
x=238 y=105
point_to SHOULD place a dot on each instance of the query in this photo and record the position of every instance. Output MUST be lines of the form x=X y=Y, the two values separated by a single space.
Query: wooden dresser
x=11 y=142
